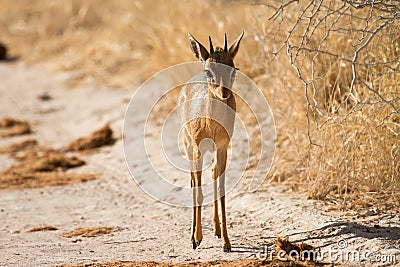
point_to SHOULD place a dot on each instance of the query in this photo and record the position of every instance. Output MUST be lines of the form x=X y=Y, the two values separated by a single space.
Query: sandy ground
x=143 y=228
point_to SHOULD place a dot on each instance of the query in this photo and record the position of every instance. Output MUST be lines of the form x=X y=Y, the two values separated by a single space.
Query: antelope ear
x=233 y=49
x=198 y=49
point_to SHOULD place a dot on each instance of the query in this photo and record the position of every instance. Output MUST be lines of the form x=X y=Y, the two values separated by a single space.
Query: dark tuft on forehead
x=221 y=56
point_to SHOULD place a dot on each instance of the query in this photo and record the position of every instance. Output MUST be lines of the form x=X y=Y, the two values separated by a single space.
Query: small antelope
x=208 y=112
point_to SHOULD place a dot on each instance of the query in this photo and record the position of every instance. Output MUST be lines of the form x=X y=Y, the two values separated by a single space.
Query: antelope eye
x=210 y=75
x=233 y=75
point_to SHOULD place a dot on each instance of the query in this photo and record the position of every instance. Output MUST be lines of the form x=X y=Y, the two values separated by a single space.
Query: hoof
x=196 y=244
x=227 y=248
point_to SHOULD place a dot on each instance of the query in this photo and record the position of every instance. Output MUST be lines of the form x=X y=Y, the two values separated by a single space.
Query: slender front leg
x=194 y=208
x=227 y=245
x=217 y=227
x=197 y=234
x=221 y=161
x=189 y=153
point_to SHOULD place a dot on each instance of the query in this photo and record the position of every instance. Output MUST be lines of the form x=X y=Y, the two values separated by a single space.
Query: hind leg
x=216 y=223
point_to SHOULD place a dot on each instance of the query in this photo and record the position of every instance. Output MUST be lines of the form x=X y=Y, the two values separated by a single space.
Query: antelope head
x=218 y=64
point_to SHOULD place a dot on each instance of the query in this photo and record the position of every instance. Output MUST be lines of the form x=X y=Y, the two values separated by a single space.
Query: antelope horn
x=225 y=43
x=211 y=45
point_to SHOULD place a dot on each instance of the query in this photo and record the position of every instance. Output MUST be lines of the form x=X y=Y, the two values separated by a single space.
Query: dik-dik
x=207 y=108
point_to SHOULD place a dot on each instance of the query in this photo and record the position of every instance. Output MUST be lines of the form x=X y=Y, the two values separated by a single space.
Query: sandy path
x=146 y=229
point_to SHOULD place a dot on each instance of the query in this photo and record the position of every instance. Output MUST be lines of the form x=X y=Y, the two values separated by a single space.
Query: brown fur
x=213 y=120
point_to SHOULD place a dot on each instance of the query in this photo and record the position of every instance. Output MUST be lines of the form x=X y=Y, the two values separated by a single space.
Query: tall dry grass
x=115 y=43
x=120 y=43
x=347 y=56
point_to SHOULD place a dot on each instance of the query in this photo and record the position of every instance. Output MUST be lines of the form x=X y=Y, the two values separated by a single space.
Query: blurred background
x=330 y=70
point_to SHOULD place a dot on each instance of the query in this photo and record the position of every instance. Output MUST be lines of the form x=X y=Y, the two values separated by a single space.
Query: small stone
x=44 y=97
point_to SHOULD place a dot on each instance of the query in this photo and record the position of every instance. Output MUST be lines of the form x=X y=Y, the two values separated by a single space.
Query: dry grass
x=90 y=231
x=302 y=251
x=348 y=149
x=121 y=43
x=115 y=43
x=39 y=166
x=99 y=138
x=17 y=181
x=42 y=228
x=12 y=127
x=17 y=147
